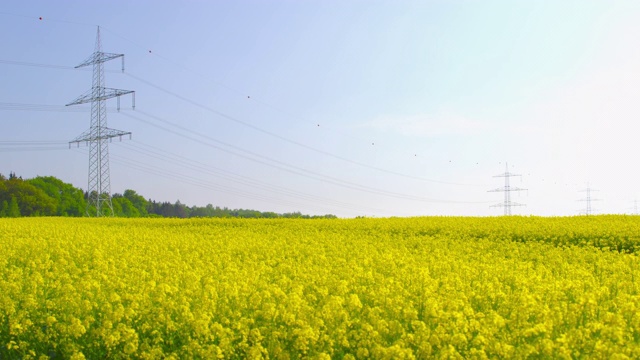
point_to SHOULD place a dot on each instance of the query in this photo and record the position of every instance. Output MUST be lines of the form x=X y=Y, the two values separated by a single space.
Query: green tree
x=4 y=192
x=4 y=209
x=69 y=200
x=31 y=200
x=138 y=201
x=14 y=209
x=4 y=196
x=181 y=210
x=123 y=207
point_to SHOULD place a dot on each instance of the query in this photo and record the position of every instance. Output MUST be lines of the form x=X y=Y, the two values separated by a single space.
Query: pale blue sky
x=344 y=107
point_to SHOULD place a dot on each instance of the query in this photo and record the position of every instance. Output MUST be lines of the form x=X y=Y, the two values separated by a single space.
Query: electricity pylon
x=507 y=189
x=588 y=210
x=99 y=135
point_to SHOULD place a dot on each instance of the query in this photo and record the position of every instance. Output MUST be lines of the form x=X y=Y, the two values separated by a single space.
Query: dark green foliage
x=138 y=201
x=179 y=210
x=69 y=199
x=123 y=207
x=14 y=210
x=26 y=198
x=49 y=196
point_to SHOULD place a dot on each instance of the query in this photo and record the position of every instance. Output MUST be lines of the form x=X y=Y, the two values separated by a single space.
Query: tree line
x=50 y=196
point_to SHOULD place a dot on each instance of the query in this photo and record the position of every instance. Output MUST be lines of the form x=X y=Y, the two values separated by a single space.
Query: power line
x=51 y=108
x=191 y=180
x=46 y=66
x=201 y=76
x=294 y=142
x=182 y=161
x=258 y=158
x=35 y=148
x=254 y=127
x=41 y=107
x=47 y=108
x=25 y=63
x=31 y=145
x=30 y=142
x=267 y=132
x=204 y=168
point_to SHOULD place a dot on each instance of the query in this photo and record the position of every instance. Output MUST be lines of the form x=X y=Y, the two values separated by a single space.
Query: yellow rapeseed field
x=286 y=289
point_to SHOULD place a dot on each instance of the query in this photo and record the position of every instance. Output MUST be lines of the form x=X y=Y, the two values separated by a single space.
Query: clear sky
x=375 y=108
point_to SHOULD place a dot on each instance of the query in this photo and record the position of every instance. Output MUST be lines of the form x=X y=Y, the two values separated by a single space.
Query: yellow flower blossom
x=397 y=288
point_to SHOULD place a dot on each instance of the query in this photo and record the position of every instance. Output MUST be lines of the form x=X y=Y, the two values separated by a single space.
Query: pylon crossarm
x=111 y=93
x=84 y=98
x=81 y=138
x=507 y=189
x=507 y=174
x=107 y=93
x=516 y=189
x=105 y=133
x=99 y=57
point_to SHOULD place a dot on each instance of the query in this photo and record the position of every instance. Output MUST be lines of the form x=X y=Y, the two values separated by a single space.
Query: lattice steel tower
x=507 y=189
x=99 y=135
x=588 y=210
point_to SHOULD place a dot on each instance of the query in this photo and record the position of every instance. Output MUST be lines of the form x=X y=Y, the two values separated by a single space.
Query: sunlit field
x=342 y=289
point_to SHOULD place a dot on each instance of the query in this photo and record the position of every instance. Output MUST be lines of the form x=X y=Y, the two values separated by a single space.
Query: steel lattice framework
x=99 y=135
x=588 y=210
x=507 y=189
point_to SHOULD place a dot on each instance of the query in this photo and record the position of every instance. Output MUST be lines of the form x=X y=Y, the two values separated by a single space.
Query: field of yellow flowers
x=396 y=288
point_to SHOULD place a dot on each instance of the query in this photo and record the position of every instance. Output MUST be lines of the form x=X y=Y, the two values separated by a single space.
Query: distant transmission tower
x=507 y=189
x=588 y=210
x=99 y=135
